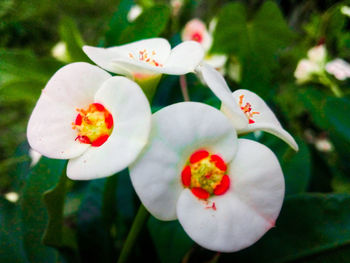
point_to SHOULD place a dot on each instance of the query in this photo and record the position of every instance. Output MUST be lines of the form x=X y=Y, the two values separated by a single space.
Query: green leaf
x=296 y=166
x=43 y=177
x=118 y=23
x=70 y=35
x=151 y=23
x=337 y=114
x=256 y=42
x=309 y=224
x=11 y=248
x=170 y=239
x=54 y=200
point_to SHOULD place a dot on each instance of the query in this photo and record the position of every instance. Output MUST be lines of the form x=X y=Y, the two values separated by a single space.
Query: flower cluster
x=186 y=161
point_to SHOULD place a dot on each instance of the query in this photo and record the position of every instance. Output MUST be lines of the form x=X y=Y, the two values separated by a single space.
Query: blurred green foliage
x=57 y=220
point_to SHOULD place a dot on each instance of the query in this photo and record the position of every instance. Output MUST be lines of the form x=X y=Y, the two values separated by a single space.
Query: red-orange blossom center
x=205 y=175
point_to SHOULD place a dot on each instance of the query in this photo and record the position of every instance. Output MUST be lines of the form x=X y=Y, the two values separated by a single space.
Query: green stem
x=184 y=89
x=140 y=219
x=334 y=87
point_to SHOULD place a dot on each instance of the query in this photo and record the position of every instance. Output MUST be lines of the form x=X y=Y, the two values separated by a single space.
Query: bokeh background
x=44 y=217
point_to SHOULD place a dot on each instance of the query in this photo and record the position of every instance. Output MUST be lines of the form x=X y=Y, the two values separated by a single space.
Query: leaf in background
x=151 y=23
x=256 y=42
x=43 y=177
x=170 y=239
x=309 y=224
x=296 y=166
x=70 y=35
x=337 y=114
x=118 y=23
x=11 y=247
x=93 y=236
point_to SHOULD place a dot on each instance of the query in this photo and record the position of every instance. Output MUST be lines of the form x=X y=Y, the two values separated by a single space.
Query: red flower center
x=93 y=125
x=205 y=174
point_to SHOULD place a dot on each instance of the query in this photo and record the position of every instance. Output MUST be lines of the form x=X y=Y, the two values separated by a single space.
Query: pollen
x=147 y=57
x=205 y=175
x=93 y=125
x=247 y=109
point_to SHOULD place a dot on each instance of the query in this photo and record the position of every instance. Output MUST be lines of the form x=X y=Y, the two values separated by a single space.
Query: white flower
x=345 y=10
x=339 y=68
x=134 y=12
x=324 y=145
x=317 y=54
x=225 y=192
x=196 y=30
x=176 y=6
x=246 y=110
x=146 y=58
x=99 y=122
x=305 y=69
x=12 y=197
x=59 y=51
x=313 y=65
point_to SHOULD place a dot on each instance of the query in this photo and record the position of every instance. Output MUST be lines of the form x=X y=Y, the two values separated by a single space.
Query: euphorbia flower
x=246 y=110
x=196 y=30
x=339 y=68
x=99 y=122
x=144 y=61
x=225 y=192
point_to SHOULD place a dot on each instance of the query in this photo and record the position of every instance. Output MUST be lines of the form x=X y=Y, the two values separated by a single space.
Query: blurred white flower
x=324 y=145
x=176 y=6
x=12 y=197
x=317 y=54
x=312 y=65
x=345 y=10
x=196 y=30
x=134 y=12
x=339 y=68
x=59 y=51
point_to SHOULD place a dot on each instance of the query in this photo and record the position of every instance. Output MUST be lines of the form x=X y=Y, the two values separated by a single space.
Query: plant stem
x=184 y=90
x=334 y=87
x=139 y=221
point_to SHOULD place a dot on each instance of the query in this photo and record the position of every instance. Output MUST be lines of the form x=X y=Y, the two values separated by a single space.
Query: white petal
x=117 y=59
x=178 y=131
x=243 y=214
x=50 y=126
x=132 y=119
x=184 y=58
x=217 y=84
x=265 y=120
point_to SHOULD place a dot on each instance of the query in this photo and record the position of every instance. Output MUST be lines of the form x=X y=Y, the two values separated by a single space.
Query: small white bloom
x=59 y=51
x=225 y=192
x=247 y=111
x=305 y=69
x=324 y=145
x=196 y=30
x=34 y=156
x=345 y=10
x=134 y=12
x=317 y=54
x=339 y=68
x=12 y=197
x=146 y=58
x=176 y=6
x=86 y=115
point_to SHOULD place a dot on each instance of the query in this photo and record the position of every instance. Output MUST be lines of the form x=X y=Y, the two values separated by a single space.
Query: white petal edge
x=245 y=213
x=218 y=86
x=265 y=120
x=49 y=128
x=117 y=59
x=132 y=119
x=178 y=130
x=183 y=59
